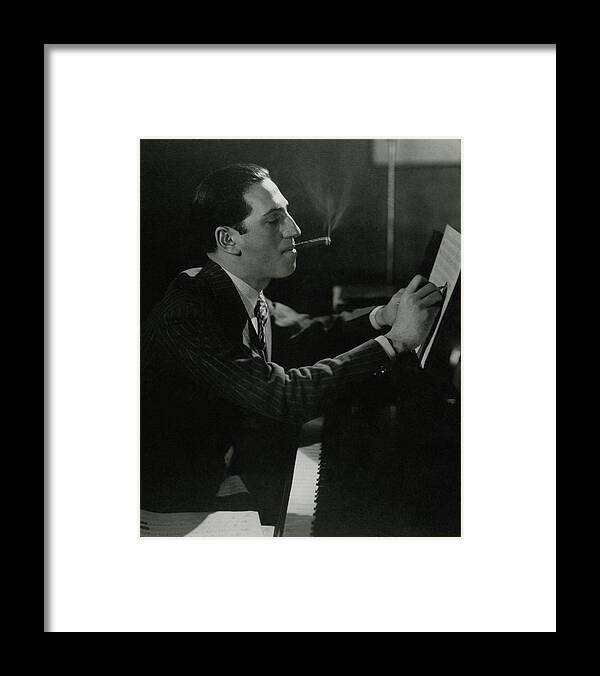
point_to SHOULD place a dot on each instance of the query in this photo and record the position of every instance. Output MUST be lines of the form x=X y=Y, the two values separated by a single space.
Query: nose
x=290 y=228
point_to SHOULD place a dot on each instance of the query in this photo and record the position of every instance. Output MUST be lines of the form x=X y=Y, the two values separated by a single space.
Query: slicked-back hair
x=219 y=201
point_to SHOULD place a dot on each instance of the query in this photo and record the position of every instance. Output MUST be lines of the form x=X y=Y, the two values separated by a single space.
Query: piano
x=380 y=470
x=302 y=503
x=387 y=463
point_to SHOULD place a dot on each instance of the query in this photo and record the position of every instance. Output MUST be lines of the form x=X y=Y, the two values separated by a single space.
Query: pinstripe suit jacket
x=203 y=390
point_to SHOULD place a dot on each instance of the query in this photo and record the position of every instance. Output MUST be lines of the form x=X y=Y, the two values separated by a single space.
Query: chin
x=286 y=272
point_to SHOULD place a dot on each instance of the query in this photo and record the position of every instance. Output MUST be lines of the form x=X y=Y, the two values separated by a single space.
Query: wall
x=329 y=183
x=426 y=199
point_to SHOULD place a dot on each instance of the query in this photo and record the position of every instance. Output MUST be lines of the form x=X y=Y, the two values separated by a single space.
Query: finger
x=416 y=283
x=425 y=290
x=432 y=300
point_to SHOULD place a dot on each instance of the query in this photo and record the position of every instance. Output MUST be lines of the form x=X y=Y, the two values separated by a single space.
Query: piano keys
x=302 y=503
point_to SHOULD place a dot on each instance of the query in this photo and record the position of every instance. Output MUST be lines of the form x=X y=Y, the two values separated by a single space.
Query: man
x=215 y=398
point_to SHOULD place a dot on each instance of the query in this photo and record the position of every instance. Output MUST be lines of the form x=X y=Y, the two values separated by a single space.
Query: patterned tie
x=261 y=313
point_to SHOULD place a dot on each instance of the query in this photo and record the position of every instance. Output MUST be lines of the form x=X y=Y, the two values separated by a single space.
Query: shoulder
x=186 y=296
x=191 y=272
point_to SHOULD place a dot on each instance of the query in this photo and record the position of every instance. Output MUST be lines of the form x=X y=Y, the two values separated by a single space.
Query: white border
x=501 y=575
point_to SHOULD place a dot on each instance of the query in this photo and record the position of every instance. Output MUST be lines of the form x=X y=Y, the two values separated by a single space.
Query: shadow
x=298 y=525
x=311 y=432
x=161 y=524
x=47 y=332
x=431 y=251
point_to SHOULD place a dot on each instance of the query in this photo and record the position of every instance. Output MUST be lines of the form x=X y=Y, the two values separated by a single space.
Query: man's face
x=268 y=245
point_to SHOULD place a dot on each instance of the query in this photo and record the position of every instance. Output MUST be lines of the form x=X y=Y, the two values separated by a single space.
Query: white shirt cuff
x=387 y=346
x=372 y=316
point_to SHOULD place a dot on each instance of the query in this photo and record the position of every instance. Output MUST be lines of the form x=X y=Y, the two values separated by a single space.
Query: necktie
x=262 y=315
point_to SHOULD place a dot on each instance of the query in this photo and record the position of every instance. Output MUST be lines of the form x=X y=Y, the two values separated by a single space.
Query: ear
x=226 y=242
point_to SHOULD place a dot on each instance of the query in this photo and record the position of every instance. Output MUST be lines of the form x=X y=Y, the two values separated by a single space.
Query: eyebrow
x=276 y=209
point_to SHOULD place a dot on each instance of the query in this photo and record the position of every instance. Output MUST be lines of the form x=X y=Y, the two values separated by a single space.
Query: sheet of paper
x=200 y=524
x=446 y=270
x=232 y=485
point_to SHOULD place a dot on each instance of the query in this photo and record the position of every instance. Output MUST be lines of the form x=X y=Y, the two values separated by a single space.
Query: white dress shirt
x=249 y=296
x=382 y=340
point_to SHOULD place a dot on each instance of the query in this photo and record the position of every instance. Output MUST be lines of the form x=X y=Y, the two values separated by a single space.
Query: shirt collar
x=248 y=294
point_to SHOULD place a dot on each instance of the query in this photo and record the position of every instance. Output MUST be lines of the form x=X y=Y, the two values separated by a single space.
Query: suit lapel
x=231 y=309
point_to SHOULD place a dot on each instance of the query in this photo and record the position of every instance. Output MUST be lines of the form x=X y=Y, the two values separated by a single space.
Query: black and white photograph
x=300 y=338
x=300 y=341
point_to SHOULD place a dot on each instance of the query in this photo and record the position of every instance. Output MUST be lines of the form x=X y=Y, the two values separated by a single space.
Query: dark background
x=367 y=487
x=327 y=182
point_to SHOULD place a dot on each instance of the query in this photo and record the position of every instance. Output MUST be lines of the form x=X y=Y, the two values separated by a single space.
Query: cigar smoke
x=330 y=194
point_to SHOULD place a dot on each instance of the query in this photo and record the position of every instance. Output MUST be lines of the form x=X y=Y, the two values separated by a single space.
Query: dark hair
x=219 y=201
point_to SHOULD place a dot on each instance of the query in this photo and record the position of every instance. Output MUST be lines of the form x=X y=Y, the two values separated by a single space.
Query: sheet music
x=200 y=524
x=446 y=270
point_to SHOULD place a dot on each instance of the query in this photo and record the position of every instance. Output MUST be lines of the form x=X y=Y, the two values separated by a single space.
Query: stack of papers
x=202 y=524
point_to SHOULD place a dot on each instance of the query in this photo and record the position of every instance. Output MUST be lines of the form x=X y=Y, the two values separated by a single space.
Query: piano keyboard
x=303 y=493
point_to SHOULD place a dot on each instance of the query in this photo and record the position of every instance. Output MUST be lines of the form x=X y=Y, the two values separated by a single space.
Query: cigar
x=318 y=241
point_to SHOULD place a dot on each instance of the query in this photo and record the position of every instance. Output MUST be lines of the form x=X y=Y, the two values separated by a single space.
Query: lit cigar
x=318 y=241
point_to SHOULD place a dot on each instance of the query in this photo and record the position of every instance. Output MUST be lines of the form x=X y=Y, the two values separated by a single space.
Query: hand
x=417 y=308
x=286 y=316
x=387 y=314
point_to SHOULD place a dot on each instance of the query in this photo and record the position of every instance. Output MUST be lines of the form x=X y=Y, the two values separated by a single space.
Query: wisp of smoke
x=329 y=205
